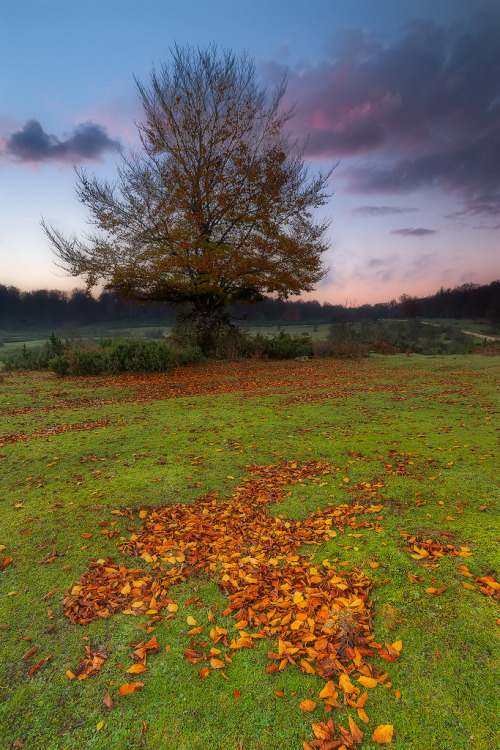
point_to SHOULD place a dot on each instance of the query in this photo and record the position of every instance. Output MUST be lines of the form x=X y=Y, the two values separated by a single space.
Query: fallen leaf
x=357 y=734
x=108 y=701
x=362 y=715
x=308 y=705
x=383 y=734
x=130 y=687
x=346 y=684
x=136 y=669
x=40 y=663
x=217 y=663
x=367 y=682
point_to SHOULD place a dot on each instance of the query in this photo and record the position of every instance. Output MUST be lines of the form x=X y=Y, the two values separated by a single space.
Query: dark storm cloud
x=426 y=105
x=33 y=145
x=381 y=210
x=413 y=232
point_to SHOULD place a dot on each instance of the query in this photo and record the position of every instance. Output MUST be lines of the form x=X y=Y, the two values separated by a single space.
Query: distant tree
x=409 y=307
x=217 y=207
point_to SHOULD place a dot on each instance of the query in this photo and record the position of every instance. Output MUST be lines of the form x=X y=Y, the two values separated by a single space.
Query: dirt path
x=481 y=335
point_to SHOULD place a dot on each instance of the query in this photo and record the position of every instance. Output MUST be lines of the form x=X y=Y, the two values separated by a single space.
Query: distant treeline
x=58 y=309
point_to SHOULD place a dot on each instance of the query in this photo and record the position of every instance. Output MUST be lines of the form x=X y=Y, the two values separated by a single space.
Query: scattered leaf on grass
x=383 y=734
x=108 y=701
x=130 y=687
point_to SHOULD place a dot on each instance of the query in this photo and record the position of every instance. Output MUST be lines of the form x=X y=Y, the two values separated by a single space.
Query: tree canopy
x=216 y=207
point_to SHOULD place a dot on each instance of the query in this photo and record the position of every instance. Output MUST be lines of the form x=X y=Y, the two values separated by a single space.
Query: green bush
x=127 y=355
x=115 y=356
x=36 y=359
x=60 y=365
x=282 y=346
x=190 y=355
x=88 y=361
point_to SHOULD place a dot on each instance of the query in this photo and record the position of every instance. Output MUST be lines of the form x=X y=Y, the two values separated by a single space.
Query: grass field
x=351 y=579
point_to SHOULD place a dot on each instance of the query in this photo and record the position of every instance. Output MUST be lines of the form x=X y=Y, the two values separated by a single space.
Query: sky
x=404 y=97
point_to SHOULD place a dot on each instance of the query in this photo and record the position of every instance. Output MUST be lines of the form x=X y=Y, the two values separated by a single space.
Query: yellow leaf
x=367 y=682
x=307 y=667
x=217 y=663
x=100 y=726
x=383 y=734
x=346 y=684
x=362 y=715
x=397 y=646
x=172 y=607
x=328 y=691
x=143 y=513
x=191 y=621
x=468 y=586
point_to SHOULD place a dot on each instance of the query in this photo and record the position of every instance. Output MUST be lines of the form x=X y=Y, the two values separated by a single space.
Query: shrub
x=140 y=356
x=88 y=361
x=190 y=355
x=282 y=346
x=115 y=356
x=36 y=359
x=60 y=365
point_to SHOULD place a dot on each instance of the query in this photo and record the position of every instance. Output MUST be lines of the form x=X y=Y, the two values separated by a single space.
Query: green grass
x=54 y=487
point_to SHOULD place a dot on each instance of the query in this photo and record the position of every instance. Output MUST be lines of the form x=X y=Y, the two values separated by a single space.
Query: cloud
x=420 y=232
x=381 y=210
x=32 y=145
x=420 y=110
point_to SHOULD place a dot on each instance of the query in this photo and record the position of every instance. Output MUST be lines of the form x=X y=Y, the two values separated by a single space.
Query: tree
x=216 y=208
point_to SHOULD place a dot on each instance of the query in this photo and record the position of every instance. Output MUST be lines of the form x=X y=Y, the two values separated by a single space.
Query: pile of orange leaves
x=319 y=617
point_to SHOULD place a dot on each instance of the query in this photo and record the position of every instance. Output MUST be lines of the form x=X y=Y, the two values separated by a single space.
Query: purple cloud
x=413 y=232
x=381 y=210
x=32 y=145
x=423 y=110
